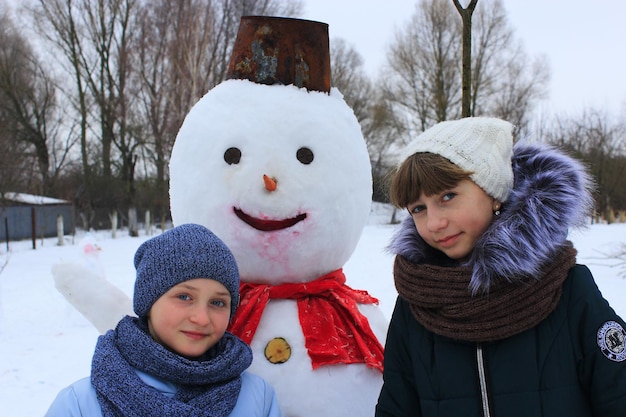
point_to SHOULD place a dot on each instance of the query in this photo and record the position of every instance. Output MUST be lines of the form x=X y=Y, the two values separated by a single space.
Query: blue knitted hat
x=185 y=252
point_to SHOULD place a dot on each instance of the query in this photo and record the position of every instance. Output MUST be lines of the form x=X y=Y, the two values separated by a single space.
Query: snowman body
x=333 y=390
x=282 y=175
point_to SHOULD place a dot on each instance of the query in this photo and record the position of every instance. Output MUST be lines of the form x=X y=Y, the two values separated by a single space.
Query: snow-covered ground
x=45 y=344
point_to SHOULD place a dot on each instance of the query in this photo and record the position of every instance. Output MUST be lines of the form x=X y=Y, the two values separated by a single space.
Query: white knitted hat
x=482 y=145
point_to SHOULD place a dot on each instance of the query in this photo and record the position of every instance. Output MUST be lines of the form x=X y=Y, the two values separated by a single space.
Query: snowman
x=273 y=161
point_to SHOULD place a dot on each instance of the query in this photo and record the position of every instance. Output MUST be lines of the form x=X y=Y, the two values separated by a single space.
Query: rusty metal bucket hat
x=280 y=50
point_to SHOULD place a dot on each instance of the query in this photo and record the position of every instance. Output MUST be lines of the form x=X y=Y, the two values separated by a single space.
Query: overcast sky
x=583 y=40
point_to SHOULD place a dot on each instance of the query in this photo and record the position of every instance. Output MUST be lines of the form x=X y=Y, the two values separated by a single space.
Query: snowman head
x=279 y=172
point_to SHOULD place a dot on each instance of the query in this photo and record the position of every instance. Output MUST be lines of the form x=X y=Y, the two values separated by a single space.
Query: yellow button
x=277 y=350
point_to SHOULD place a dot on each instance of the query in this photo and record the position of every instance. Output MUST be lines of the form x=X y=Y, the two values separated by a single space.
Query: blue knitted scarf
x=206 y=387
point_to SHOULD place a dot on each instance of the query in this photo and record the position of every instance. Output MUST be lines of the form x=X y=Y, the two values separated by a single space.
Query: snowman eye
x=305 y=155
x=232 y=156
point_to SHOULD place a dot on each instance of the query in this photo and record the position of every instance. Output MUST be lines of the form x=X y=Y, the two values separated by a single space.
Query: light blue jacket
x=256 y=398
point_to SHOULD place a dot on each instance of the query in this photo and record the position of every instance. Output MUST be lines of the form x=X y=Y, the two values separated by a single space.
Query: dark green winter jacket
x=555 y=369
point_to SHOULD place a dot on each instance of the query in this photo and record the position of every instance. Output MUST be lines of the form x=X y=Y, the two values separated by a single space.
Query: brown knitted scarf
x=441 y=301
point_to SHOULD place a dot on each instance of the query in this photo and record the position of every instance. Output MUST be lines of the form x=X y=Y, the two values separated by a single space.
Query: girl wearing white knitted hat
x=494 y=317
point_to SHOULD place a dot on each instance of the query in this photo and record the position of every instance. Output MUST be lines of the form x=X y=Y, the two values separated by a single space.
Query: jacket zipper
x=483 y=380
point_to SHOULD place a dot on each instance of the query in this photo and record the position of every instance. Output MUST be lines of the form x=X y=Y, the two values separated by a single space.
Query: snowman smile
x=268 y=225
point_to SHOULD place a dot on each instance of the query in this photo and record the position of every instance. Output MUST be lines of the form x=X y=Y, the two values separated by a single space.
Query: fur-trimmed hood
x=551 y=194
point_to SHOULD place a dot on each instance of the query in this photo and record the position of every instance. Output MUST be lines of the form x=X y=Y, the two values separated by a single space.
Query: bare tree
x=14 y=165
x=378 y=124
x=56 y=22
x=108 y=27
x=183 y=51
x=95 y=38
x=514 y=96
x=173 y=58
x=29 y=107
x=348 y=76
x=423 y=77
x=505 y=82
x=425 y=67
x=601 y=143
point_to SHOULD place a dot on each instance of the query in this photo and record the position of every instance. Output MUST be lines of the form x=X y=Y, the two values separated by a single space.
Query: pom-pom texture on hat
x=188 y=251
x=482 y=145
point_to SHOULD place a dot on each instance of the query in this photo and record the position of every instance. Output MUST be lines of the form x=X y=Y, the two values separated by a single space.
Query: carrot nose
x=270 y=183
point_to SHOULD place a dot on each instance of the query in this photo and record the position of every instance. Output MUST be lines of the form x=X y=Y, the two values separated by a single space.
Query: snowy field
x=46 y=345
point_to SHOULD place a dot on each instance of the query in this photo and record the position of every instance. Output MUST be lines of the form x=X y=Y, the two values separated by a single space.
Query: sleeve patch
x=611 y=341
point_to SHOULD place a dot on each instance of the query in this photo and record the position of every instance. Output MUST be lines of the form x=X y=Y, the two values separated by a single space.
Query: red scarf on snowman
x=334 y=329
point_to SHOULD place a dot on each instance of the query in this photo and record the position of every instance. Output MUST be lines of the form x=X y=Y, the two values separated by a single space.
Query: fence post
x=132 y=222
x=60 y=229
x=148 y=223
x=33 y=226
x=6 y=228
x=113 y=217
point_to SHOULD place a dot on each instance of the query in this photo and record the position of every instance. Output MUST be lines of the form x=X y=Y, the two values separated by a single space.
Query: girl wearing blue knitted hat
x=494 y=317
x=176 y=358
